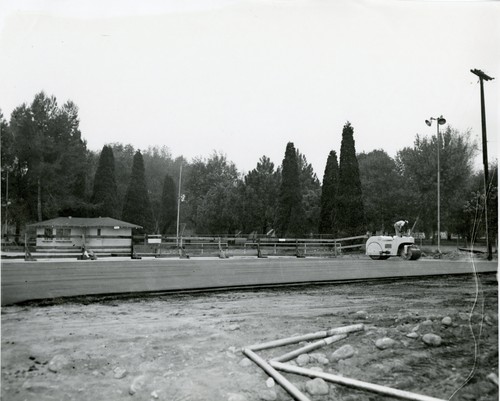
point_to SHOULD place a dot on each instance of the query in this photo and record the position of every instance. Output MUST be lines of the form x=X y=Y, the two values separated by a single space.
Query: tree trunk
x=39 y=199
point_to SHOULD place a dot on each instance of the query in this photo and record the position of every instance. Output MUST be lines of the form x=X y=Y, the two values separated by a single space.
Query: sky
x=245 y=77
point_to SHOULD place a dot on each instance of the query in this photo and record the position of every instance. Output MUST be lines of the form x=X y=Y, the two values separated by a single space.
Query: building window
x=98 y=232
x=63 y=233
x=48 y=233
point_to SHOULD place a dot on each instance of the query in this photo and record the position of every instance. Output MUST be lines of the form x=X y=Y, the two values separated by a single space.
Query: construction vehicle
x=381 y=247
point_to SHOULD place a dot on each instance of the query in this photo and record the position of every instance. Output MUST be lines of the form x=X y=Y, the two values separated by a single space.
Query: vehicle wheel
x=414 y=253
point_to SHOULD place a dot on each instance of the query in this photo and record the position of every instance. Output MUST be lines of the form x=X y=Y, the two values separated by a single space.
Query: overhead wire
x=478 y=290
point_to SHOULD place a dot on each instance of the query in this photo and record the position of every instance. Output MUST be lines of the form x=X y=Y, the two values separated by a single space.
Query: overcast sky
x=244 y=77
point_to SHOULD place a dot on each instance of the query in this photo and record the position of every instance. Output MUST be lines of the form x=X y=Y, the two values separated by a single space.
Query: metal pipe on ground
x=376 y=388
x=346 y=329
x=309 y=347
x=307 y=337
x=278 y=377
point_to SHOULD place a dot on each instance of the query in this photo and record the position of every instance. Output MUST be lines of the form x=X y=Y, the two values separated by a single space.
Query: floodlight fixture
x=440 y=120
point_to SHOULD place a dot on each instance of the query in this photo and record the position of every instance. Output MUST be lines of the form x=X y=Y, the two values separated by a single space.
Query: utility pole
x=7 y=206
x=179 y=205
x=438 y=190
x=483 y=77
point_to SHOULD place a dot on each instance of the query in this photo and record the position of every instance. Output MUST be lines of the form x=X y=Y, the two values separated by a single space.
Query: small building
x=71 y=234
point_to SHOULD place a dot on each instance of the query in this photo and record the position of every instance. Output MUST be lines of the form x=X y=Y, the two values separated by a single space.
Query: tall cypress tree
x=350 y=198
x=105 y=196
x=137 y=207
x=328 y=214
x=311 y=195
x=291 y=214
x=168 y=211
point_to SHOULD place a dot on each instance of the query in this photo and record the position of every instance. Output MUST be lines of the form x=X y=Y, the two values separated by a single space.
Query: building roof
x=84 y=222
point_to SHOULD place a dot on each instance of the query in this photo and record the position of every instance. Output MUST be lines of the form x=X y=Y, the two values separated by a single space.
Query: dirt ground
x=188 y=347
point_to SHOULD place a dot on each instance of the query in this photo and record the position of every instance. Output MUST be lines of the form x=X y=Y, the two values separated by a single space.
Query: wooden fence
x=200 y=246
x=230 y=246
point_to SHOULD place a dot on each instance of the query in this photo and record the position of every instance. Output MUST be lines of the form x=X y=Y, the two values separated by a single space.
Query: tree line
x=48 y=171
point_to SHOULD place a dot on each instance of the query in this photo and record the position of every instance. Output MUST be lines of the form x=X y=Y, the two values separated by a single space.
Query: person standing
x=399 y=226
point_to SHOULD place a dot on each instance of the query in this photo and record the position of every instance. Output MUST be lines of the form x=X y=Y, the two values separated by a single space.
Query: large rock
x=384 y=343
x=317 y=387
x=319 y=357
x=137 y=384
x=57 y=363
x=446 y=321
x=323 y=361
x=432 y=339
x=344 y=352
x=303 y=359
x=119 y=372
x=270 y=382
